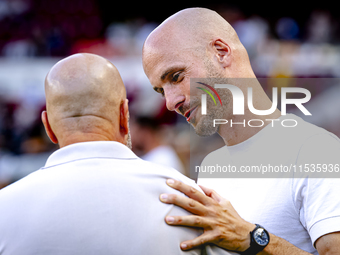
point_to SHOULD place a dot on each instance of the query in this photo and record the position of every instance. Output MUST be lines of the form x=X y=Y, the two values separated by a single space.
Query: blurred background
x=283 y=40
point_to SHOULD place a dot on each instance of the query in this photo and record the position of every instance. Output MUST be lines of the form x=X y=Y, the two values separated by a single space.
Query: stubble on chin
x=204 y=124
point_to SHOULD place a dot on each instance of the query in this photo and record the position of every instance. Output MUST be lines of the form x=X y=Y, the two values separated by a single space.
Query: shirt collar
x=97 y=149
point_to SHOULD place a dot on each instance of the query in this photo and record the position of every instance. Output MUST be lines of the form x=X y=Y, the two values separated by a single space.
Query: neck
x=81 y=137
x=92 y=129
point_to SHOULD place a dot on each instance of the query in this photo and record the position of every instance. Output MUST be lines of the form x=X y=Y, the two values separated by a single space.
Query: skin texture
x=202 y=45
x=198 y=43
x=85 y=101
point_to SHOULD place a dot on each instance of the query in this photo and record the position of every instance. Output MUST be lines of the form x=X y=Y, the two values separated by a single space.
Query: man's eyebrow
x=171 y=70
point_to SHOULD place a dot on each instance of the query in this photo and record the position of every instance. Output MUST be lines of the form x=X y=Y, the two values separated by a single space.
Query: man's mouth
x=188 y=113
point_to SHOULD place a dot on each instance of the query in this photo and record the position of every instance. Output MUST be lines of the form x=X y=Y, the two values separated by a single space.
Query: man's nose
x=174 y=98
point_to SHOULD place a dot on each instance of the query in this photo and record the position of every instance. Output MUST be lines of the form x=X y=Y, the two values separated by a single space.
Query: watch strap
x=254 y=247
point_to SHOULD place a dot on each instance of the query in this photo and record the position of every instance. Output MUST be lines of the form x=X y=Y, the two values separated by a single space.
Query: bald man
x=272 y=216
x=94 y=195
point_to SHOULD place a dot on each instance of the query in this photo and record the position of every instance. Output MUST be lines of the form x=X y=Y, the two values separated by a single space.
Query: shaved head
x=194 y=43
x=199 y=43
x=84 y=96
x=191 y=28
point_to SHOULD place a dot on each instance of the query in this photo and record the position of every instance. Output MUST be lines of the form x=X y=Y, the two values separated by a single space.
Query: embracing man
x=276 y=216
x=94 y=195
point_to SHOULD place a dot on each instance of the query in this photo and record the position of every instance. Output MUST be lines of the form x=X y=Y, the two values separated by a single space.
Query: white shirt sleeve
x=317 y=199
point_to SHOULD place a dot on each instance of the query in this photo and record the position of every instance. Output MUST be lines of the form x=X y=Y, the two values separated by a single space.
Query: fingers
x=189 y=191
x=184 y=202
x=211 y=193
x=198 y=241
x=221 y=223
x=189 y=221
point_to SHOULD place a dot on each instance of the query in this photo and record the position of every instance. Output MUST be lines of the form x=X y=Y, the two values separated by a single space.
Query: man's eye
x=159 y=90
x=177 y=77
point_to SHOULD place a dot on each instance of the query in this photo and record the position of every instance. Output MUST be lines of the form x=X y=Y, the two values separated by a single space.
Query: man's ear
x=222 y=52
x=124 y=118
x=48 y=128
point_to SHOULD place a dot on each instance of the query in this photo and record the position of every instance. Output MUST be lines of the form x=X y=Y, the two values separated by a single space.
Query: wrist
x=245 y=244
x=259 y=240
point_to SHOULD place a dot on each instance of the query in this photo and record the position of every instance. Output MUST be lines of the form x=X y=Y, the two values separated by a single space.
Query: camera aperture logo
x=238 y=103
x=204 y=96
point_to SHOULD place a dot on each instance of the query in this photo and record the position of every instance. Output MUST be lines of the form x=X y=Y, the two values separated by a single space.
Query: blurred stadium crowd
x=35 y=34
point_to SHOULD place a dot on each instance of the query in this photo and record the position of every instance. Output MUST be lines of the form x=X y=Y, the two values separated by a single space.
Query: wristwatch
x=259 y=239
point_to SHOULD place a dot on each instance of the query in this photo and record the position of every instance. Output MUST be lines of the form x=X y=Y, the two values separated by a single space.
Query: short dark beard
x=205 y=125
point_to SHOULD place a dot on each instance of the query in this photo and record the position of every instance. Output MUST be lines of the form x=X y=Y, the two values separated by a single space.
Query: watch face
x=261 y=237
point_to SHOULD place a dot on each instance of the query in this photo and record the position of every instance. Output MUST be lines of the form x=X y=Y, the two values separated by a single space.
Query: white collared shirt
x=294 y=205
x=93 y=198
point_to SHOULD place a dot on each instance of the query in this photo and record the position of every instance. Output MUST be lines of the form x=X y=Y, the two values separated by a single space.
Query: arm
x=328 y=244
x=225 y=228
x=279 y=246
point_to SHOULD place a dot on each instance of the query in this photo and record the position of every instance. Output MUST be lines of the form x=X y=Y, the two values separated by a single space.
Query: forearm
x=279 y=246
x=225 y=228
